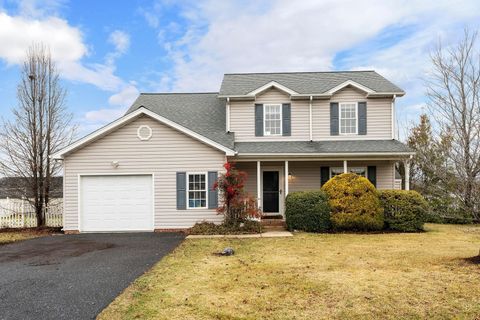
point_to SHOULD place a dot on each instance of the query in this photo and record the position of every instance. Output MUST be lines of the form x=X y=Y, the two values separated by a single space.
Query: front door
x=271 y=192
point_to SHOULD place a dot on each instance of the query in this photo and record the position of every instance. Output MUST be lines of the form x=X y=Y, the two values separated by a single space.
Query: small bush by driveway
x=74 y=276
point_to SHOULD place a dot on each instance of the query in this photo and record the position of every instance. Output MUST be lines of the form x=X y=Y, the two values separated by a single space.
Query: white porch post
x=259 y=192
x=345 y=168
x=407 y=174
x=286 y=178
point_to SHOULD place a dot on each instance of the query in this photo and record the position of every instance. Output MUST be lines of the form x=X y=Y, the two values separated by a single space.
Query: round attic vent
x=144 y=132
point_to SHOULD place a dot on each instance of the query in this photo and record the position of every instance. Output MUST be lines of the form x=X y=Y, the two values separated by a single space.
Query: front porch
x=271 y=180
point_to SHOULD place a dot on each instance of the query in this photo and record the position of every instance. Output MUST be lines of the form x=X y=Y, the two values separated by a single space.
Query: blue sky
x=109 y=51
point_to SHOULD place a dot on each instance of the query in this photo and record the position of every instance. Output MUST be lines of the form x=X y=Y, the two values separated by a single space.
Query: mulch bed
x=473 y=260
x=36 y=230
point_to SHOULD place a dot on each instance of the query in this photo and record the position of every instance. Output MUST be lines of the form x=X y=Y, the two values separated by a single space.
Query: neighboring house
x=15 y=189
x=154 y=168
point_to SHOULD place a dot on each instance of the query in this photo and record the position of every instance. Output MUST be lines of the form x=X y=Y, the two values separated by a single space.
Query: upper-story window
x=348 y=118
x=272 y=119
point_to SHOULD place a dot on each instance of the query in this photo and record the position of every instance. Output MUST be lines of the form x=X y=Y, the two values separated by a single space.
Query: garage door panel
x=116 y=203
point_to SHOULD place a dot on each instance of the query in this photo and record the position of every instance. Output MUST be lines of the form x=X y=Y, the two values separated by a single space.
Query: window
x=197 y=190
x=272 y=115
x=361 y=171
x=348 y=118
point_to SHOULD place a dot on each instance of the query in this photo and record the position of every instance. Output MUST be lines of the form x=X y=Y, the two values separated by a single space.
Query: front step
x=280 y=223
x=274 y=228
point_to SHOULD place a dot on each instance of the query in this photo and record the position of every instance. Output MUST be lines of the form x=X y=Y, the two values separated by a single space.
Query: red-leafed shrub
x=237 y=206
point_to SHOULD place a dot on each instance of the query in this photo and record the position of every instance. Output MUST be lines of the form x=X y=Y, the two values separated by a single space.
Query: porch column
x=345 y=168
x=407 y=174
x=259 y=192
x=286 y=178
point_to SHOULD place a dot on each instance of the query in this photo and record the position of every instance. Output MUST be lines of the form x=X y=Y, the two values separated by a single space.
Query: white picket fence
x=16 y=213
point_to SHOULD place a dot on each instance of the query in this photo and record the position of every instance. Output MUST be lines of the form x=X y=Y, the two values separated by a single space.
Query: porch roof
x=324 y=148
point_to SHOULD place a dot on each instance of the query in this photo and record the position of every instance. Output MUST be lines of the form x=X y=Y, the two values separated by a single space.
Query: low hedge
x=354 y=202
x=404 y=210
x=307 y=211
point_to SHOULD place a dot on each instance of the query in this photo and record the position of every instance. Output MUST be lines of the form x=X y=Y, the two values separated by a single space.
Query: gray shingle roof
x=304 y=82
x=202 y=113
x=350 y=146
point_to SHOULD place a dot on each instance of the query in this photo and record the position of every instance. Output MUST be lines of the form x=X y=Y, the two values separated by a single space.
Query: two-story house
x=154 y=168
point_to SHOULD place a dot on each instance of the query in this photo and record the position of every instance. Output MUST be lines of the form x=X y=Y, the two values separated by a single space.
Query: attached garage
x=110 y=203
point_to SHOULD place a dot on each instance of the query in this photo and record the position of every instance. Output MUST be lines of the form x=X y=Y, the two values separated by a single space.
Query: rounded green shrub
x=307 y=211
x=404 y=210
x=354 y=203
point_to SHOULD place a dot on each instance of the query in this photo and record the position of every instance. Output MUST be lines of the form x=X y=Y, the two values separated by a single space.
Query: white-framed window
x=196 y=190
x=361 y=171
x=348 y=116
x=272 y=119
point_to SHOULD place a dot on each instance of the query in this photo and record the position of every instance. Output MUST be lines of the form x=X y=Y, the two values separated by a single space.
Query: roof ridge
x=299 y=72
x=174 y=93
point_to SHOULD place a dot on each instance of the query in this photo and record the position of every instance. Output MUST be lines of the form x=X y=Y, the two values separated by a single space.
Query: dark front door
x=271 y=194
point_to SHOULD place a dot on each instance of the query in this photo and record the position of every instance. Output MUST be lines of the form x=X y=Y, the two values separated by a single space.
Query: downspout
x=311 y=122
x=393 y=116
x=228 y=114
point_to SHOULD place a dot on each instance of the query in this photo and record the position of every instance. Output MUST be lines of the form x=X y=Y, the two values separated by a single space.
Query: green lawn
x=313 y=276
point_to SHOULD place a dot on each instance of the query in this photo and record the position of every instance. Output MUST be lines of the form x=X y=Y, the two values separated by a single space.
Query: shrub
x=404 y=210
x=247 y=227
x=308 y=211
x=237 y=206
x=354 y=203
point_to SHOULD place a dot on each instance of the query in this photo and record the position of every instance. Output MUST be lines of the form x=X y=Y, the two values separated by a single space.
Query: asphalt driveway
x=74 y=276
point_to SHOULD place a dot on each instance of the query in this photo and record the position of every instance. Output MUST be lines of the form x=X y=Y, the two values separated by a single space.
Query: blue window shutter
x=334 y=118
x=372 y=175
x=324 y=175
x=258 y=120
x=362 y=118
x=286 y=120
x=181 y=190
x=212 y=193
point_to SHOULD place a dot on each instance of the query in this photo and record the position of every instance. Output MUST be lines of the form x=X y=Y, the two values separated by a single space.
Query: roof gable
x=352 y=84
x=128 y=118
x=271 y=84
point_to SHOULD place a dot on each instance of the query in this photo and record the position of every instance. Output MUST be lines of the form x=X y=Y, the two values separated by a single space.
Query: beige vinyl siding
x=242 y=117
x=306 y=174
x=379 y=116
x=167 y=152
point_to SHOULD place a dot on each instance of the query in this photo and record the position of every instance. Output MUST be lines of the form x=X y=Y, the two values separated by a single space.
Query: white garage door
x=116 y=203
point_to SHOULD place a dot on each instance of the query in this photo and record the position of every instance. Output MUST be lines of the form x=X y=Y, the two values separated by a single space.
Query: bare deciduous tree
x=40 y=126
x=453 y=89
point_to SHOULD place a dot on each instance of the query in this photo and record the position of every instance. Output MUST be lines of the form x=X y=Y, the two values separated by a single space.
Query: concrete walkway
x=268 y=234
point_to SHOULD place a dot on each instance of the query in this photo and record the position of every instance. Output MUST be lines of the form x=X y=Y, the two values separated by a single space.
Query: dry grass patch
x=422 y=275
x=13 y=235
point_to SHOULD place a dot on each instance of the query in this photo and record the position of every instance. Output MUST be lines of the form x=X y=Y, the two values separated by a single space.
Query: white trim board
x=129 y=117
x=270 y=85
x=350 y=83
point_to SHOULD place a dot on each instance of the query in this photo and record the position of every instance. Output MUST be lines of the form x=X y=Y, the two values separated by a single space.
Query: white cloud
x=18 y=33
x=125 y=97
x=65 y=43
x=120 y=102
x=121 y=41
x=300 y=35
x=103 y=116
